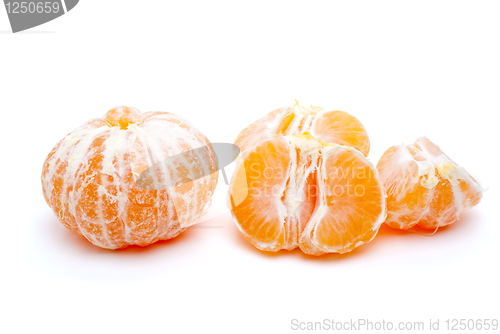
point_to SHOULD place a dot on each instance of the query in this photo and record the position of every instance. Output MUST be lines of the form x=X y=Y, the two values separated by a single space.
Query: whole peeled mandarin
x=90 y=178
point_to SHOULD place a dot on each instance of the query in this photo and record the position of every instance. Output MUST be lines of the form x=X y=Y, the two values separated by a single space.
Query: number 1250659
x=32 y=7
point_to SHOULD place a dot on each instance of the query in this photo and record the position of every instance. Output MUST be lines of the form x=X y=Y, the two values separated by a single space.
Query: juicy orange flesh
x=472 y=197
x=331 y=127
x=285 y=123
x=122 y=117
x=266 y=172
x=430 y=200
x=341 y=128
x=256 y=131
x=348 y=202
x=406 y=197
x=353 y=200
x=441 y=209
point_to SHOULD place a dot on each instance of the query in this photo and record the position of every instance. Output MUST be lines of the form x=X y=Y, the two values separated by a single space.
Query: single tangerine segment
x=336 y=127
x=341 y=128
x=297 y=191
x=425 y=188
x=89 y=178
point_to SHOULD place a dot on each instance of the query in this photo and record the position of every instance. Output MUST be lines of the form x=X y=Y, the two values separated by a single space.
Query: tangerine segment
x=336 y=127
x=425 y=188
x=89 y=178
x=262 y=174
x=351 y=204
x=409 y=186
x=341 y=128
x=301 y=192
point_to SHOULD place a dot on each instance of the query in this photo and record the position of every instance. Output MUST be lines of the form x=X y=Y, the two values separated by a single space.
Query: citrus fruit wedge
x=425 y=188
x=297 y=191
x=336 y=127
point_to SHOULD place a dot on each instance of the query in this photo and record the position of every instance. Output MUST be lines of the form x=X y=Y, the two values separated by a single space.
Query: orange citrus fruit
x=336 y=127
x=297 y=191
x=425 y=189
x=89 y=178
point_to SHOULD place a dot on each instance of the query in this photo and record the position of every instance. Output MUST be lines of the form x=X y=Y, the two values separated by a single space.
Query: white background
x=405 y=69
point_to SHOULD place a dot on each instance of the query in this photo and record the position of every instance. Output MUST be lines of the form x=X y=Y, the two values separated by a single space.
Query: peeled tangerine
x=336 y=127
x=89 y=178
x=425 y=189
x=297 y=191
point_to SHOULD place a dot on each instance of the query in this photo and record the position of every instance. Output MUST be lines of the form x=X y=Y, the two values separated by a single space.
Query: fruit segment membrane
x=425 y=188
x=297 y=191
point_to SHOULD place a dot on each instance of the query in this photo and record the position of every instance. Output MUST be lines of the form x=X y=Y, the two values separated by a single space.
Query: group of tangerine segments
x=302 y=180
